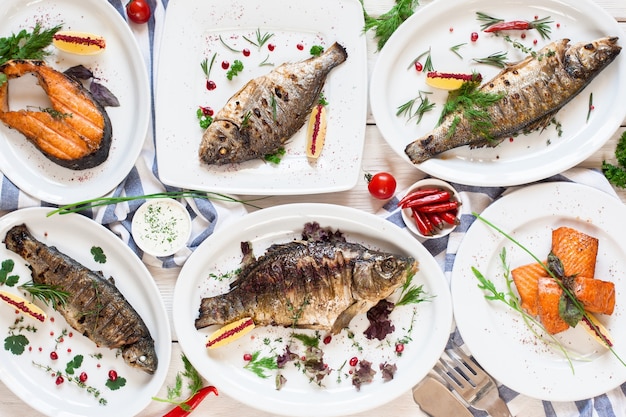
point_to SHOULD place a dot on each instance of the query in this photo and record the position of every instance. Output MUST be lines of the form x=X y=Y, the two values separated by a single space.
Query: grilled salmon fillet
x=75 y=133
x=576 y=250
x=526 y=279
x=549 y=293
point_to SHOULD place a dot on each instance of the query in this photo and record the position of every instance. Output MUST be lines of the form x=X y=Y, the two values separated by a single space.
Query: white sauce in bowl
x=161 y=227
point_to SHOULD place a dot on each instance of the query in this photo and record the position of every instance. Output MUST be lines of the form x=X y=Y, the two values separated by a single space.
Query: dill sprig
x=261 y=39
x=387 y=23
x=566 y=291
x=424 y=106
x=25 y=45
x=497 y=59
x=175 y=393
x=105 y=201
x=411 y=294
x=51 y=295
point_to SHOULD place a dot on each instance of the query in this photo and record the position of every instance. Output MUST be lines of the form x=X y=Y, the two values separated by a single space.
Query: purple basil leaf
x=79 y=72
x=103 y=95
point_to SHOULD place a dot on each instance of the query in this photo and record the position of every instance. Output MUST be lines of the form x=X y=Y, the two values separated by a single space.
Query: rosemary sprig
x=50 y=294
x=206 y=66
x=424 y=106
x=105 y=201
x=497 y=59
x=455 y=49
x=487 y=20
x=428 y=64
x=261 y=39
x=572 y=298
x=387 y=23
x=590 y=106
x=227 y=46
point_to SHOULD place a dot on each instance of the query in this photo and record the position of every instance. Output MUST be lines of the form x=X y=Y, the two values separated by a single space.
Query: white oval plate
x=497 y=336
x=75 y=235
x=529 y=157
x=224 y=367
x=192 y=33
x=120 y=68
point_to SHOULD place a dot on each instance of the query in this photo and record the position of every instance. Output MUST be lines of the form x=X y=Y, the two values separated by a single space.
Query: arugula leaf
x=15 y=344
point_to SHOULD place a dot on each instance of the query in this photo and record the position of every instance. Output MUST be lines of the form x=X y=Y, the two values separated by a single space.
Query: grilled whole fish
x=94 y=307
x=314 y=285
x=534 y=90
x=75 y=133
x=267 y=111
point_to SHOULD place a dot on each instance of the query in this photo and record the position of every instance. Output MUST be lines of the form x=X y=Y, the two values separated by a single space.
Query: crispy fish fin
x=348 y=314
x=541 y=123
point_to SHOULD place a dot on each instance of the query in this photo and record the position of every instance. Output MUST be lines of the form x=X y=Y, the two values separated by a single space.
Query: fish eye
x=388 y=266
x=589 y=47
x=223 y=151
x=142 y=359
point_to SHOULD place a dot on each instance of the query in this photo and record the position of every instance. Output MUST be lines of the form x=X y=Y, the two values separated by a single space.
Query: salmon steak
x=531 y=92
x=94 y=306
x=312 y=285
x=266 y=112
x=74 y=133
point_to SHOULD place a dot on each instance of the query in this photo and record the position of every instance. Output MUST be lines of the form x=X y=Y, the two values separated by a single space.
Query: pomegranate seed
x=247 y=357
x=83 y=377
x=418 y=66
x=207 y=111
x=210 y=85
x=474 y=36
x=558 y=25
x=59 y=380
x=271 y=47
x=534 y=41
x=54 y=356
x=523 y=35
x=225 y=64
x=246 y=52
x=112 y=375
x=451 y=29
x=300 y=47
x=353 y=361
x=399 y=347
x=327 y=339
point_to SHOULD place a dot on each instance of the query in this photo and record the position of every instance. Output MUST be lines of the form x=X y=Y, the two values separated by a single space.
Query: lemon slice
x=449 y=81
x=79 y=43
x=600 y=328
x=23 y=305
x=230 y=332
x=316 y=132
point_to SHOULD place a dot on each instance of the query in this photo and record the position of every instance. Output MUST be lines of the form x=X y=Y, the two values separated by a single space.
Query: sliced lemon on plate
x=230 y=332
x=23 y=305
x=449 y=81
x=79 y=43
x=598 y=332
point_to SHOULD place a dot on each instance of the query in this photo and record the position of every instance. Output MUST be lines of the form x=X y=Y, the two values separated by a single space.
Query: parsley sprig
x=261 y=38
x=616 y=174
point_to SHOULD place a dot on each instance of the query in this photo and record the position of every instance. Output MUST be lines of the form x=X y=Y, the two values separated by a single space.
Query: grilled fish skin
x=94 y=307
x=535 y=89
x=267 y=111
x=314 y=285
x=76 y=134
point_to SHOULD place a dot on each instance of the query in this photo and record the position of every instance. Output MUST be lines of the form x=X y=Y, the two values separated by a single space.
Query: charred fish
x=94 y=307
x=532 y=90
x=267 y=111
x=314 y=285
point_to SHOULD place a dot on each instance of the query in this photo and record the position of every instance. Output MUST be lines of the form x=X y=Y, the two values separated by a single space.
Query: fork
x=472 y=383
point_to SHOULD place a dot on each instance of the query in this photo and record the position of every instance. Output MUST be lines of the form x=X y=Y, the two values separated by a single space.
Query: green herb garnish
x=265 y=62
x=487 y=20
x=275 y=157
x=616 y=174
x=309 y=341
x=175 y=393
x=98 y=254
x=428 y=64
x=5 y=269
x=316 y=50
x=115 y=384
x=258 y=365
x=411 y=294
x=455 y=49
x=51 y=295
x=25 y=45
x=95 y=392
x=590 y=106
x=387 y=23
x=230 y=48
x=105 y=201
x=235 y=69
x=204 y=120
x=424 y=105
x=497 y=59
x=261 y=39
x=73 y=364
x=206 y=66
x=246 y=120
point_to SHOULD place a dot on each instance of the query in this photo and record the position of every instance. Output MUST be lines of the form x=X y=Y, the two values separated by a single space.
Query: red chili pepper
x=512 y=25
x=435 y=219
x=192 y=402
x=438 y=197
x=439 y=207
x=449 y=217
x=417 y=194
x=424 y=225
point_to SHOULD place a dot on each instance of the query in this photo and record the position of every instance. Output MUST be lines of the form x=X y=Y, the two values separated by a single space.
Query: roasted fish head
x=141 y=355
x=378 y=275
x=585 y=58
x=231 y=143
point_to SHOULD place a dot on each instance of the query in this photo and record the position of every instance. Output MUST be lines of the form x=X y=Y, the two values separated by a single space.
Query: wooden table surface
x=378 y=156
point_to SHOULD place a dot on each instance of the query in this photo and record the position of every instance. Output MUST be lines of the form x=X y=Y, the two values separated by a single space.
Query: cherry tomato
x=381 y=185
x=138 y=11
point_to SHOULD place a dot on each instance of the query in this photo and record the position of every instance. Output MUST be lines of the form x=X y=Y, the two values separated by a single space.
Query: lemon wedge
x=449 y=81
x=600 y=328
x=230 y=332
x=316 y=132
x=23 y=305
x=79 y=43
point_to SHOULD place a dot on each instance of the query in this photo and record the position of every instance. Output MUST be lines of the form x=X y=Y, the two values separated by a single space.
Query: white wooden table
x=378 y=156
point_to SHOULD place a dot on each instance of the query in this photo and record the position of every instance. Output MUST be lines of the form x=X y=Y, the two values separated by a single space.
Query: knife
x=436 y=400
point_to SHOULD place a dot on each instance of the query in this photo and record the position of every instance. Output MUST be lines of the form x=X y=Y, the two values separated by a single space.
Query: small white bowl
x=407 y=214
x=161 y=227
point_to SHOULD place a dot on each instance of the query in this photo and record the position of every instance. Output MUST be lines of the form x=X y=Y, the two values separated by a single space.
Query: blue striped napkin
x=476 y=199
